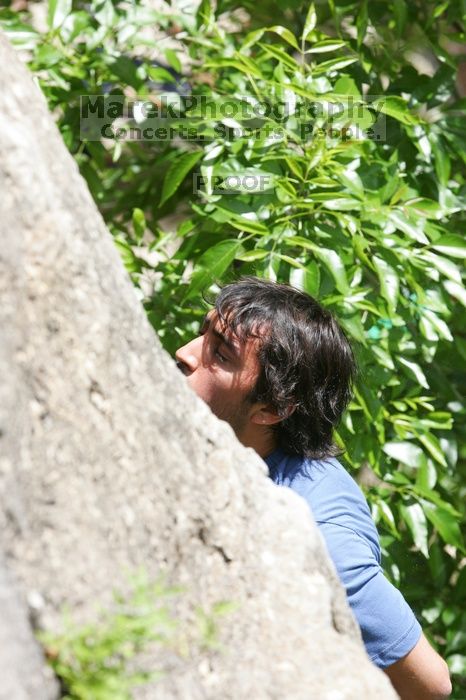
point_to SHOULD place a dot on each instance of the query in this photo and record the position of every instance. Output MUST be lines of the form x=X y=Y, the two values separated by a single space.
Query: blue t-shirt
x=389 y=628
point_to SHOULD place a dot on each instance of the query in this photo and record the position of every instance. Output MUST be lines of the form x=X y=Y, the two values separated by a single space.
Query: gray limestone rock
x=109 y=462
x=24 y=674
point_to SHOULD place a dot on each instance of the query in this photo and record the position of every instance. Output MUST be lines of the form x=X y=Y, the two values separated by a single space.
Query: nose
x=188 y=357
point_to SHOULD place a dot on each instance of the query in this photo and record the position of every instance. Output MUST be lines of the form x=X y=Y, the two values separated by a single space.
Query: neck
x=261 y=439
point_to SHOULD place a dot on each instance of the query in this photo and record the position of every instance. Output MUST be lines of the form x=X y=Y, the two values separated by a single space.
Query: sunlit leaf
x=413 y=230
x=456 y=290
x=415 y=518
x=414 y=370
x=432 y=445
x=280 y=55
x=243 y=224
x=253 y=255
x=451 y=244
x=211 y=266
x=284 y=34
x=334 y=64
x=426 y=476
x=406 y=452
x=397 y=108
x=310 y=22
x=330 y=258
x=389 y=282
x=177 y=172
x=325 y=46
x=445 y=523
x=58 y=11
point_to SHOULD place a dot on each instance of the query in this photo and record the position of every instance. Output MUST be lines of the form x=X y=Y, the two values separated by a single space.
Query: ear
x=268 y=415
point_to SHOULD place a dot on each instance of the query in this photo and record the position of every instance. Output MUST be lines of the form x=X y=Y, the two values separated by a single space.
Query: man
x=277 y=367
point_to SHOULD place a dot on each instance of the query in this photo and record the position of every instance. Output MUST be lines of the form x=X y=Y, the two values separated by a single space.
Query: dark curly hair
x=306 y=360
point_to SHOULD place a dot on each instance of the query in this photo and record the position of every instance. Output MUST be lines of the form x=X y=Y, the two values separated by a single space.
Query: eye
x=221 y=357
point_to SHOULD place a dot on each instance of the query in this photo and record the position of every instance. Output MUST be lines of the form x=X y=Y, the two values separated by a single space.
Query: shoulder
x=331 y=493
x=387 y=623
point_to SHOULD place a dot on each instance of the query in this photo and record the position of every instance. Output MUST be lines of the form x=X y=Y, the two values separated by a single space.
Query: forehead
x=243 y=343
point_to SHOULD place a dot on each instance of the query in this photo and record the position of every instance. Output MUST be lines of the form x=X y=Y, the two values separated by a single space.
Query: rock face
x=24 y=675
x=109 y=462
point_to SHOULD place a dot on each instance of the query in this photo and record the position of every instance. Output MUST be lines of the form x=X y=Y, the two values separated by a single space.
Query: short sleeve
x=388 y=625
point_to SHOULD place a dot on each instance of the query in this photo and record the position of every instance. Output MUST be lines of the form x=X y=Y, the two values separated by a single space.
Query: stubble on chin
x=235 y=416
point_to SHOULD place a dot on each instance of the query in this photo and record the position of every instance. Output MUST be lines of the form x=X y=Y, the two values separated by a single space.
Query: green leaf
x=389 y=282
x=412 y=230
x=177 y=172
x=443 y=265
x=368 y=401
x=243 y=224
x=440 y=9
x=335 y=266
x=253 y=37
x=415 y=519
x=326 y=45
x=442 y=164
x=280 y=55
x=21 y=35
x=426 y=476
x=205 y=14
x=424 y=207
x=362 y=22
x=406 y=452
x=160 y=75
x=397 y=108
x=456 y=290
x=329 y=257
x=125 y=69
x=239 y=64
x=336 y=202
x=387 y=514
x=285 y=34
x=347 y=86
x=353 y=326
x=131 y=261
x=451 y=244
x=445 y=523
x=432 y=445
x=211 y=265
x=250 y=255
x=104 y=13
x=173 y=60
x=333 y=64
x=440 y=326
x=414 y=371
x=307 y=278
x=310 y=22
x=47 y=56
x=139 y=223
x=58 y=11
x=400 y=12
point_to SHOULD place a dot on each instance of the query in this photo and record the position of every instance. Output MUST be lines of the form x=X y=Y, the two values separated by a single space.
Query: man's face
x=222 y=370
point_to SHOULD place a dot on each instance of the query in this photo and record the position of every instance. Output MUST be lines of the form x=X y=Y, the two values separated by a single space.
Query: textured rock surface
x=109 y=462
x=23 y=672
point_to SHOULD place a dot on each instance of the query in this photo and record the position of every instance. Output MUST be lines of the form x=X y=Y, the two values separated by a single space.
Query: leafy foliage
x=347 y=120
x=99 y=660
x=96 y=660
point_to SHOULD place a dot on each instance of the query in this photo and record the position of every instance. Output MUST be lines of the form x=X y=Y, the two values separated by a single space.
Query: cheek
x=204 y=384
x=217 y=389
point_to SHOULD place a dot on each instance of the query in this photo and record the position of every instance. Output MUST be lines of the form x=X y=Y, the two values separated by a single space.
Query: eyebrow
x=218 y=334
